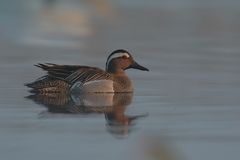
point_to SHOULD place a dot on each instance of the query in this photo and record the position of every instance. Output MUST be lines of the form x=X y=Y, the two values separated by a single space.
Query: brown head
x=120 y=60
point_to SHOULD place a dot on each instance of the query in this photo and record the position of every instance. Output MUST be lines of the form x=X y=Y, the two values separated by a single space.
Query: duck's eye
x=125 y=57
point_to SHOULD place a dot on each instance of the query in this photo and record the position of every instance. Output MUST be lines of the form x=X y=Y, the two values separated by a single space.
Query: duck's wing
x=58 y=71
x=84 y=75
x=73 y=73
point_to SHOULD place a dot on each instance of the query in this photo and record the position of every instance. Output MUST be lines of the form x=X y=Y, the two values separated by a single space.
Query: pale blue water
x=190 y=95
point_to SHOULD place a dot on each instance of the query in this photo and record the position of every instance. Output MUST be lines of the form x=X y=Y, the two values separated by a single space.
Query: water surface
x=190 y=95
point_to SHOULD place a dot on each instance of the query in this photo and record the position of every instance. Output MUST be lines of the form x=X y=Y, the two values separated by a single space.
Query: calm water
x=188 y=103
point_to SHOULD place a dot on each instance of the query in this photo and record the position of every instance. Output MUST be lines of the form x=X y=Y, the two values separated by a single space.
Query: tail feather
x=54 y=81
x=47 y=85
x=44 y=66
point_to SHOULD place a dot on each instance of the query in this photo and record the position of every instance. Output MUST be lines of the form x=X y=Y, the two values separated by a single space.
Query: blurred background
x=191 y=93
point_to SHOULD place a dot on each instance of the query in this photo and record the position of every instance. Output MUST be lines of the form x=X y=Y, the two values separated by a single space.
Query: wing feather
x=74 y=73
x=85 y=75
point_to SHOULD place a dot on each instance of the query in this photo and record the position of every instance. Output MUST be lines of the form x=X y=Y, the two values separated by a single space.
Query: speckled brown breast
x=122 y=83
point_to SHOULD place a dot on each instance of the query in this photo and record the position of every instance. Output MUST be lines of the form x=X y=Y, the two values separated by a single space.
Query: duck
x=86 y=79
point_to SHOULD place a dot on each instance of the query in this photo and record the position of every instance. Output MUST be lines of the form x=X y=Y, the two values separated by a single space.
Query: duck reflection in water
x=113 y=106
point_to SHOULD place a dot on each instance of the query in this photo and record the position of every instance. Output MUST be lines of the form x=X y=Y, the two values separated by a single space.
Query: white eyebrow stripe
x=116 y=55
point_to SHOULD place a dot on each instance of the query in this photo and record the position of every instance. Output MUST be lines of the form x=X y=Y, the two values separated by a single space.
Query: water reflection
x=113 y=106
x=159 y=147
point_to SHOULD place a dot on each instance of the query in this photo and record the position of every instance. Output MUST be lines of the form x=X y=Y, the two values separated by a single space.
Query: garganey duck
x=85 y=79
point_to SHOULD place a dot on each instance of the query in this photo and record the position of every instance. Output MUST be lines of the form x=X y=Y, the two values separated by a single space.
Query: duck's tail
x=48 y=85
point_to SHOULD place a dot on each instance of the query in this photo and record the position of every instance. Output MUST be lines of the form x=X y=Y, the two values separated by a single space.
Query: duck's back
x=66 y=78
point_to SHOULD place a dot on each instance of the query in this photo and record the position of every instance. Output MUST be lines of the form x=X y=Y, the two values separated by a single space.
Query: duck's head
x=120 y=60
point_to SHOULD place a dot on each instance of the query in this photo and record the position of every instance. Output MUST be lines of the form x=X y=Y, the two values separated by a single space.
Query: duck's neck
x=116 y=71
x=115 y=68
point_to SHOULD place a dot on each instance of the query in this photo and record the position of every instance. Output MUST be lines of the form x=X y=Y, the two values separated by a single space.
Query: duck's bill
x=138 y=66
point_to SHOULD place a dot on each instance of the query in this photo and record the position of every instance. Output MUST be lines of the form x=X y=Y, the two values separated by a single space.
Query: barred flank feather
x=48 y=85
